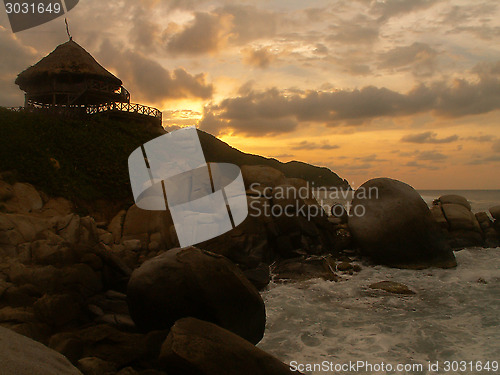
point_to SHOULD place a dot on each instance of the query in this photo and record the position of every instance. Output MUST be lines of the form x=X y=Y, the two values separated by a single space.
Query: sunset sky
x=408 y=89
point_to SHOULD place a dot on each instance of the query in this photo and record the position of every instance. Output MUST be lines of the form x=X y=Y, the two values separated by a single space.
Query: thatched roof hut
x=69 y=75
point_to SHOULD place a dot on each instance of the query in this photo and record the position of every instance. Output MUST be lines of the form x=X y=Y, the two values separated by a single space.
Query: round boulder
x=393 y=226
x=190 y=282
x=455 y=199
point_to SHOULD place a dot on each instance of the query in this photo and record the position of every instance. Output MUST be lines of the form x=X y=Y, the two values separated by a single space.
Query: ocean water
x=454 y=316
x=480 y=200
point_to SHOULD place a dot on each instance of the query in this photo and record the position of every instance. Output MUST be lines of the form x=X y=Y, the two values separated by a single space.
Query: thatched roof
x=67 y=58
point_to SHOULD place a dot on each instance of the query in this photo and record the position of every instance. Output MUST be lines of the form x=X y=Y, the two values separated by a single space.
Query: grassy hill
x=86 y=161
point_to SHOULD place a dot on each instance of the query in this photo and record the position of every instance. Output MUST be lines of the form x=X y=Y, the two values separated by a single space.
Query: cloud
x=306 y=145
x=496 y=146
x=428 y=137
x=145 y=34
x=370 y=158
x=149 y=80
x=484 y=160
x=15 y=58
x=254 y=126
x=420 y=57
x=260 y=58
x=207 y=33
x=416 y=164
x=359 y=30
x=487 y=69
x=431 y=155
x=390 y=8
x=482 y=138
x=453 y=99
x=250 y=23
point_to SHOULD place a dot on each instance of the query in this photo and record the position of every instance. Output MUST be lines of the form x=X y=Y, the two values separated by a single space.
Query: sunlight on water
x=455 y=315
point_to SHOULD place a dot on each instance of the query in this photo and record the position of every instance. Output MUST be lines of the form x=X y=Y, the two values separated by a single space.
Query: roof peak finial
x=67 y=29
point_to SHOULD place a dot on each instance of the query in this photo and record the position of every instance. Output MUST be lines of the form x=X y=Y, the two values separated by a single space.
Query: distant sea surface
x=480 y=200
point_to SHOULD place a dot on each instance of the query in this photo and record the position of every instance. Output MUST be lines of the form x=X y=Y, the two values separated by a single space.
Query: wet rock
x=460 y=239
x=197 y=347
x=393 y=226
x=299 y=269
x=192 y=282
x=259 y=276
x=460 y=218
x=392 y=287
x=495 y=212
x=344 y=266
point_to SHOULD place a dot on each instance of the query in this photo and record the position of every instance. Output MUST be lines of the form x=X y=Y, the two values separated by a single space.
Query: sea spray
x=453 y=317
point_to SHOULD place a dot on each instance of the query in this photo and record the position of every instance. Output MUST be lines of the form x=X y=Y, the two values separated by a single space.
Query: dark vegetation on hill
x=218 y=151
x=86 y=161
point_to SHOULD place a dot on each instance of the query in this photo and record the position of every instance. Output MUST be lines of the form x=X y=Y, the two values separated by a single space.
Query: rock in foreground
x=22 y=356
x=392 y=287
x=195 y=347
x=393 y=226
x=192 y=282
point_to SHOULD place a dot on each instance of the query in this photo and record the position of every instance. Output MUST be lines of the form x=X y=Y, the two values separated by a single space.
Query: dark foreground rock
x=393 y=226
x=20 y=355
x=196 y=283
x=195 y=347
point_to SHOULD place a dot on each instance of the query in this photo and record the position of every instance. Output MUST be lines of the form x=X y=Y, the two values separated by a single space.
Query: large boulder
x=393 y=226
x=140 y=224
x=197 y=283
x=196 y=347
x=22 y=356
x=454 y=199
x=23 y=198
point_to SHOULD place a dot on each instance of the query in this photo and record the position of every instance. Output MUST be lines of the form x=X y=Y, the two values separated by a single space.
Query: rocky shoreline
x=119 y=297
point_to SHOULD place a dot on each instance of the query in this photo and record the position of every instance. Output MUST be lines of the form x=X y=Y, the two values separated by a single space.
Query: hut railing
x=125 y=107
x=119 y=107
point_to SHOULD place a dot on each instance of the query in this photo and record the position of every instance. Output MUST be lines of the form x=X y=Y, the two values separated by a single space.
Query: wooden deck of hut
x=69 y=81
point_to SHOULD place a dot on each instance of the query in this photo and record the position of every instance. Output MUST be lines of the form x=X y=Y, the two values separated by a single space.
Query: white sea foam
x=455 y=315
